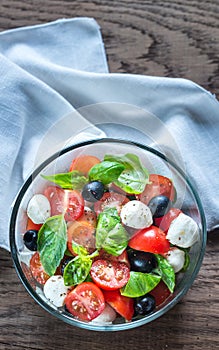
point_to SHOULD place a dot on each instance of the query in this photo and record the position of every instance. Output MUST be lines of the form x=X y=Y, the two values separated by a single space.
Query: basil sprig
x=72 y=180
x=110 y=234
x=166 y=271
x=134 y=177
x=140 y=284
x=51 y=243
x=106 y=171
x=77 y=270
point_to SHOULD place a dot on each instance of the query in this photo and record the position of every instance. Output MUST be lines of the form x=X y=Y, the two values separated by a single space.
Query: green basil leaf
x=79 y=249
x=187 y=260
x=106 y=172
x=166 y=271
x=51 y=243
x=140 y=284
x=134 y=177
x=73 y=180
x=110 y=234
x=77 y=270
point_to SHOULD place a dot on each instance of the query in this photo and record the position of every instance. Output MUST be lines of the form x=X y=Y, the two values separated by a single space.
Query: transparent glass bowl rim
x=66 y=318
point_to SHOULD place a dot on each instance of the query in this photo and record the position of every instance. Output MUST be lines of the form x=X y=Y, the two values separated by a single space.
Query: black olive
x=141 y=261
x=93 y=191
x=159 y=205
x=30 y=239
x=144 y=305
x=65 y=262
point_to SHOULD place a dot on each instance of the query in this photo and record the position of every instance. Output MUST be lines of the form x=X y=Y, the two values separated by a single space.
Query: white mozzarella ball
x=183 y=231
x=136 y=214
x=176 y=258
x=55 y=290
x=107 y=316
x=38 y=209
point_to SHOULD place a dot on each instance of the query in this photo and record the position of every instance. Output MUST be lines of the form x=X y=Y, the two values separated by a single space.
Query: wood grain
x=160 y=38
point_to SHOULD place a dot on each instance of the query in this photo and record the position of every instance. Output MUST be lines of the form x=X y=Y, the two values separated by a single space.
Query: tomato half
x=164 y=222
x=84 y=163
x=121 y=304
x=109 y=275
x=161 y=292
x=122 y=258
x=70 y=202
x=85 y=302
x=32 y=226
x=37 y=269
x=89 y=216
x=82 y=233
x=159 y=185
x=151 y=239
x=110 y=200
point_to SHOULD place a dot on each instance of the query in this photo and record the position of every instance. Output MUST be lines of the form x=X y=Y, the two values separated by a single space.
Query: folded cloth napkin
x=52 y=70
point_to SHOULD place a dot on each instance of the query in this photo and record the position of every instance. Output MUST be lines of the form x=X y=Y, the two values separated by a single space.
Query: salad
x=106 y=239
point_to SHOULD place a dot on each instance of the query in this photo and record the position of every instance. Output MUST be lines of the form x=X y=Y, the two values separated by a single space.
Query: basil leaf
x=139 y=284
x=166 y=271
x=187 y=260
x=73 y=180
x=79 y=249
x=110 y=234
x=106 y=172
x=134 y=177
x=51 y=243
x=77 y=270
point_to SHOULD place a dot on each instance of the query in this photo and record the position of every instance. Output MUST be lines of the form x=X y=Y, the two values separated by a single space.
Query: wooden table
x=165 y=38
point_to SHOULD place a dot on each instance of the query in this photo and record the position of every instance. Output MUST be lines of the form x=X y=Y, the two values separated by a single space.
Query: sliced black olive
x=159 y=205
x=30 y=239
x=141 y=261
x=93 y=191
x=144 y=305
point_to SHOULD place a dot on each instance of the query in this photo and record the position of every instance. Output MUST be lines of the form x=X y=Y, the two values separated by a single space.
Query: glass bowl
x=187 y=200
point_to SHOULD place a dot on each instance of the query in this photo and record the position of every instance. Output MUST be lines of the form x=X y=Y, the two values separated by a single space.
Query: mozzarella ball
x=38 y=209
x=183 y=231
x=107 y=316
x=55 y=290
x=176 y=258
x=136 y=214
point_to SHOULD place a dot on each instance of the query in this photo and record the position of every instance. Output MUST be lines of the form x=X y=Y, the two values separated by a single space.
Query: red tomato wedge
x=160 y=293
x=164 y=222
x=82 y=233
x=85 y=302
x=37 y=269
x=65 y=201
x=122 y=258
x=124 y=306
x=159 y=185
x=84 y=163
x=110 y=200
x=109 y=275
x=151 y=239
x=32 y=226
x=89 y=216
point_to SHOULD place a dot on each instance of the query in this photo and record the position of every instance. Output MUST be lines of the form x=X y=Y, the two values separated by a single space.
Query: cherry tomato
x=84 y=163
x=151 y=239
x=158 y=185
x=110 y=200
x=122 y=258
x=32 y=226
x=70 y=202
x=85 y=302
x=161 y=292
x=37 y=269
x=121 y=304
x=109 y=275
x=89 y=216
x=164 y=222
x=82 y=233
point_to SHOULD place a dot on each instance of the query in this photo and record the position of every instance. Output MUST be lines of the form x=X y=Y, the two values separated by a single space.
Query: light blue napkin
x=48 y=71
